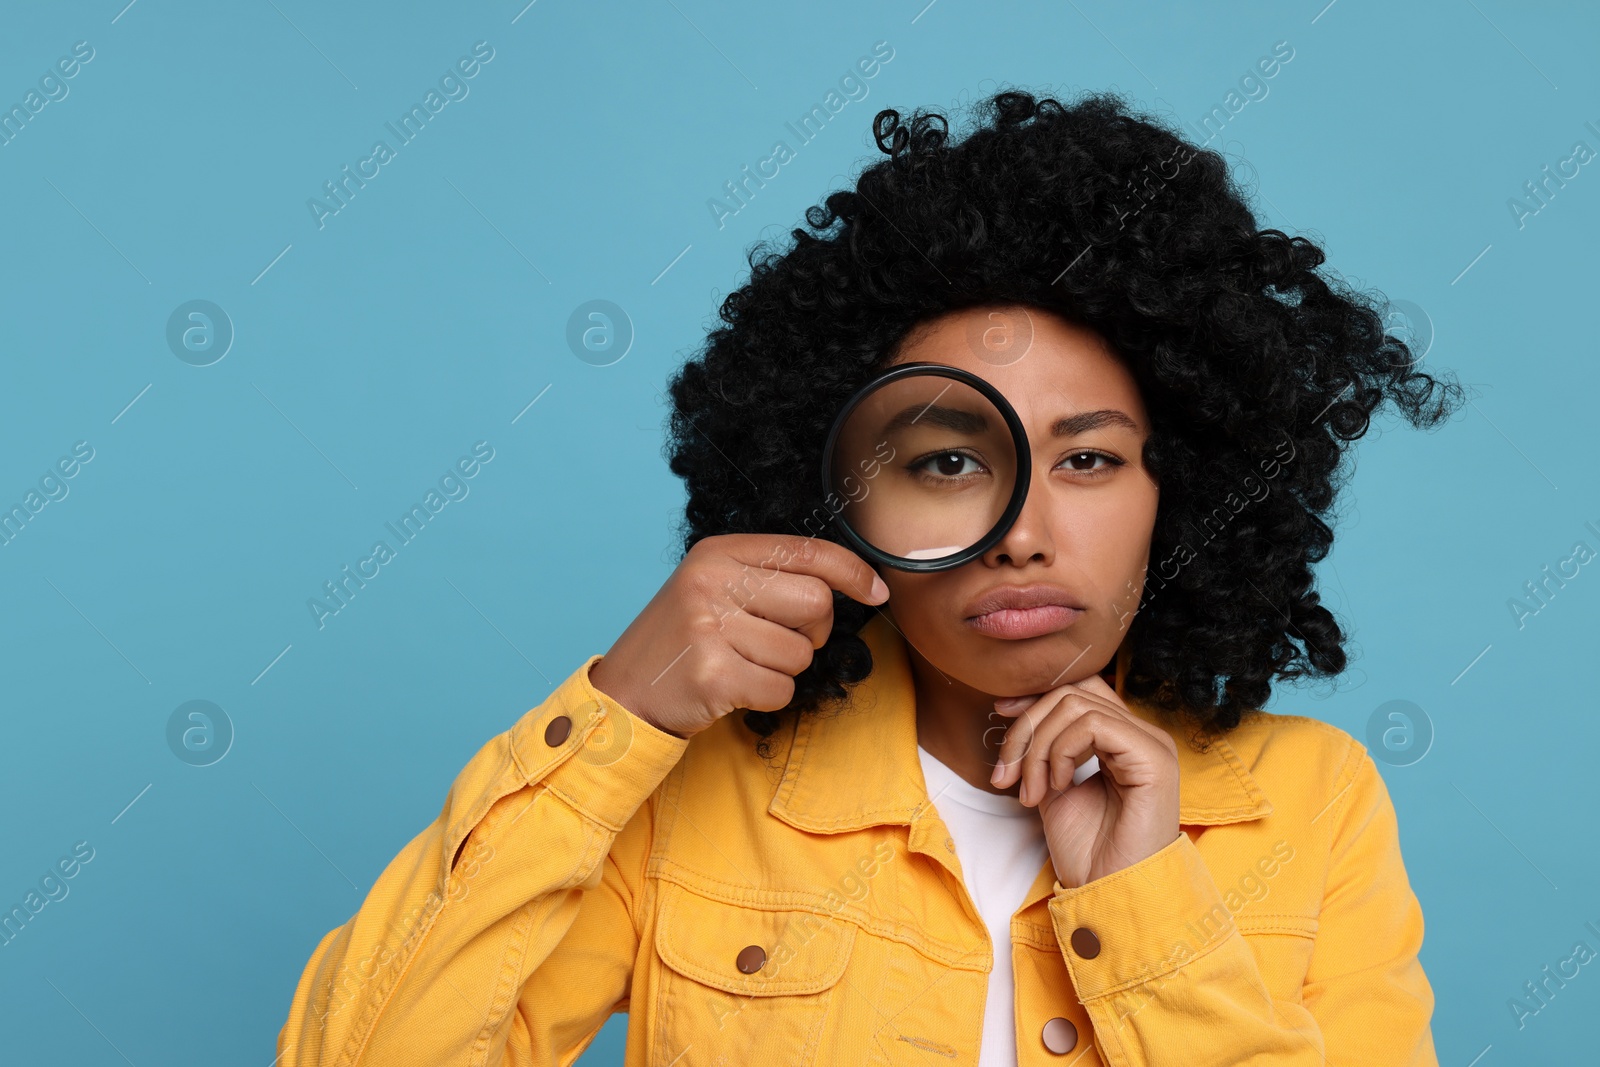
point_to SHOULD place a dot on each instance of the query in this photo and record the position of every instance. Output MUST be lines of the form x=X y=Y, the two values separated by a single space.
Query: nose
x=1029 y=539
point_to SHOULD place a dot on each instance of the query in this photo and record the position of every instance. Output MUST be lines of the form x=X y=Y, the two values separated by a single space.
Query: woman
x=882 y=859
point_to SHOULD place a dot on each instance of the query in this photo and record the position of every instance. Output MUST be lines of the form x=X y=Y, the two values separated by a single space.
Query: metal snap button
x=558 y=730
x=1085 y=943
x=1060 y=1036
x=751 y=959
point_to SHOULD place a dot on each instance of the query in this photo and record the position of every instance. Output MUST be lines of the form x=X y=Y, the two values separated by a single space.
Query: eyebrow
x=1085 y=421
x=971 y=422
x=968 y=422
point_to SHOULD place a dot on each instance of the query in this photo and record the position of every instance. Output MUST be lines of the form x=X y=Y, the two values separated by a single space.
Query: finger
x=1097 y=687
x=745 y=682
x=1028 y=711
x=1127 y=754
x=768 y=644
x=1081 y=723
x=841 y=568
x=798 y=601
x=1071 y=748
x=1033 y=771
x=1032 y=727
x=1093 y=729
x=1013 y=741
x=1092 y=688
x=762 y=689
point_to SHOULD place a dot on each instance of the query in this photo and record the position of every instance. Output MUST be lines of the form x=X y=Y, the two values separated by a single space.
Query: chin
x=1022 y=668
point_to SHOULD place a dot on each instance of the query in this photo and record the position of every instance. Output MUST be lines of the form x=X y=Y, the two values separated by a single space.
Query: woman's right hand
x=731 y=627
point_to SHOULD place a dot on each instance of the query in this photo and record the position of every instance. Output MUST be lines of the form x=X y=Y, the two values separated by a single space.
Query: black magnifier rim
x=1019 y=492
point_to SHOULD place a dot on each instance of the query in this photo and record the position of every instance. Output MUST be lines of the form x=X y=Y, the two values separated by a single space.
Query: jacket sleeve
x=1174 y=981
x=530 y=873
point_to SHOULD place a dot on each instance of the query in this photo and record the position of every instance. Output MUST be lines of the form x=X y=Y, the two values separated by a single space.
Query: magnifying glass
x=931 y=465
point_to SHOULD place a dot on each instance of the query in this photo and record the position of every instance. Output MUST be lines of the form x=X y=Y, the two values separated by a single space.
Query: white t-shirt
x=1000 y=843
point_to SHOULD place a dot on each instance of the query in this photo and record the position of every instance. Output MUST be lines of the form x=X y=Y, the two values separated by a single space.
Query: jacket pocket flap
x=789 y=951
x=1304 y=925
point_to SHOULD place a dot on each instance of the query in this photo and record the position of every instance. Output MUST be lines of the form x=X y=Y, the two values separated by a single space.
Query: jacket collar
x=858 y=766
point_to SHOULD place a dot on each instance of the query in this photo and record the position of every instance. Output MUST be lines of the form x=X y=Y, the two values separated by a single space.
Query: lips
x=1017 y=612
x=1022 y=597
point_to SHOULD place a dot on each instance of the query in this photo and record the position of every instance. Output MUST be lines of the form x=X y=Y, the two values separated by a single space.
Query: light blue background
x=431 y=310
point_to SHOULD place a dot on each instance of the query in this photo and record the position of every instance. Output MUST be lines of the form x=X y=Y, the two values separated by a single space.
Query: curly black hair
x=1241 y=348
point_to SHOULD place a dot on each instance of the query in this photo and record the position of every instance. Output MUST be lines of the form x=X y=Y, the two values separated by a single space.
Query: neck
x=958 y=725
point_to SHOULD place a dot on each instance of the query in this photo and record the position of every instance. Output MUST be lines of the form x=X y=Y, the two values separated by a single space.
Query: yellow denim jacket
x=810 y=909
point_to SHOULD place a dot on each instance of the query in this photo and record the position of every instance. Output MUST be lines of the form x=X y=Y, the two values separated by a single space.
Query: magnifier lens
x=925 y=466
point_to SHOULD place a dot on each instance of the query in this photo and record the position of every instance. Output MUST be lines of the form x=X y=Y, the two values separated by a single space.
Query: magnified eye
x=951 y=465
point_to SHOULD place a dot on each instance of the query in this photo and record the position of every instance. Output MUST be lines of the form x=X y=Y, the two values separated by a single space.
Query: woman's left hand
x=1112 y=819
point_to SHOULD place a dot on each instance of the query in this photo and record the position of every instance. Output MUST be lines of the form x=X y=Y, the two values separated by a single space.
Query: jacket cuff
x=592 y=752
x=1140 y=923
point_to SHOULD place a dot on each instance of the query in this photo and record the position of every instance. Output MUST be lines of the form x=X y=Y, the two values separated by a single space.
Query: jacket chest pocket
x=743 y=983
x=1282 y=945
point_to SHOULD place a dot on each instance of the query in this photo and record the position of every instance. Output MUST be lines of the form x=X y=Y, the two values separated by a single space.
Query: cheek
x=1140 y=526
x=913 y=598
x=1113 y=538
x=925 y=608
x=1108 y=551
